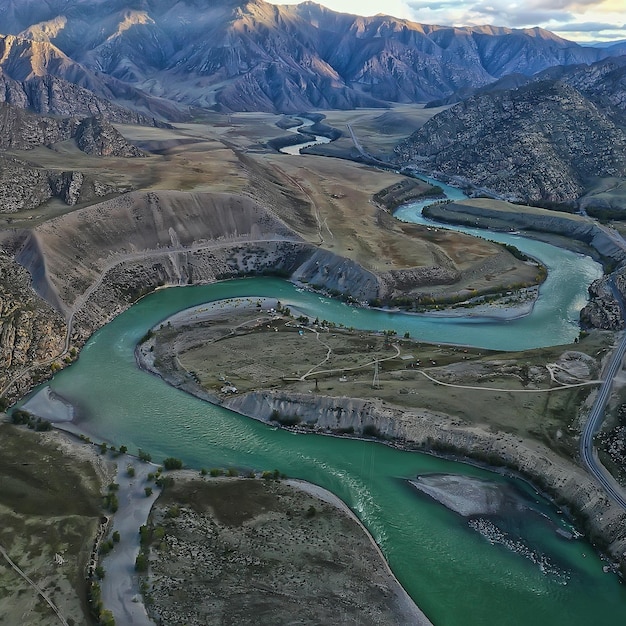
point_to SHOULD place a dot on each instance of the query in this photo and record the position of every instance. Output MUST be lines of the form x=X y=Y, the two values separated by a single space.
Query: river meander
x=524 y=573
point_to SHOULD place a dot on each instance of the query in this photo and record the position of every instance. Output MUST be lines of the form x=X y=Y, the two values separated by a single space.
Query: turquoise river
x=523 y=574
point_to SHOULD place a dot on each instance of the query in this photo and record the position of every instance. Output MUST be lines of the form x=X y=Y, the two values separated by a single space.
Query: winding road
x=587 y=453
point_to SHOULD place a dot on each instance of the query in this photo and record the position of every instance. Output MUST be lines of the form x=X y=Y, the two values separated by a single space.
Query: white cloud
x=397 y=8
x=550 y=14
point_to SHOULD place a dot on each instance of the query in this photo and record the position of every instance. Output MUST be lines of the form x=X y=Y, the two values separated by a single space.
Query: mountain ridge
x=250 y=55
x=545 y=141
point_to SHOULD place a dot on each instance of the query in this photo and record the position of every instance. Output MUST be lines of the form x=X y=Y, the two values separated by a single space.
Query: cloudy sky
x=578 y=20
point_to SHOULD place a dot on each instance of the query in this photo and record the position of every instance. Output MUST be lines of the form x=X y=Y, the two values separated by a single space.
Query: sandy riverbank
x=501 y=308
x=507 y=307
x=119 y=588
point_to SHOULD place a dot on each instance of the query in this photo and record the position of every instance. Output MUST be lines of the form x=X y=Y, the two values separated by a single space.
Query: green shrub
x=172 y=463
x=144 y=456
x=141 y=563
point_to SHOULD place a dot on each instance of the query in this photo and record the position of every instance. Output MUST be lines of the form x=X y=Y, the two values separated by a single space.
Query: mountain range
x=248 y=55
x=538 y=118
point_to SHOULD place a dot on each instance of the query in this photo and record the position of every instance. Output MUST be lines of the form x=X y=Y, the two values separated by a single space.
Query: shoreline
x=119 y=588
x=120 y=591
x=566 y=485
x=495 y=310
x=331 y=498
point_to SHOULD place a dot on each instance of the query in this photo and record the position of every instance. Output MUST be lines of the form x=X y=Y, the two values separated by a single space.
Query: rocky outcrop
x=22 y=130
x=602 y=310
x=75 y=187
x=31 y=331
x=96 y=136
x=541 y=143
x=25 y=186
x=22 y=185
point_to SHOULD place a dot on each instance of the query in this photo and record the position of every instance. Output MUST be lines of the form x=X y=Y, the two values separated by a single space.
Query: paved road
x=366 y=155
x=596 y=417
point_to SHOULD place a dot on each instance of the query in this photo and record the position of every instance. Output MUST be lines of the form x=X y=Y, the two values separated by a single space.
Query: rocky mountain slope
x=22 y=130
x=543 y=142
x=30 y=329
x=603 y=81
x=250 y=55
x=38 y=76
x=24 y=185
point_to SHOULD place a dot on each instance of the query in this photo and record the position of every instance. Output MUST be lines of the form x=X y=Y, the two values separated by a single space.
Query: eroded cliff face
x=604 y=521
x=23 y=130
x=25 y=186
x=474 y=212
x=95 y=262
x=603 y=310
x=338 y=275
x=96 y=136
x=31 y=330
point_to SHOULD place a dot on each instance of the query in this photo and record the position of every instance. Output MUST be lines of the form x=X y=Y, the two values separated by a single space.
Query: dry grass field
x=253 y=351
x=252 y=551
x=49 y=505
x=327 y=201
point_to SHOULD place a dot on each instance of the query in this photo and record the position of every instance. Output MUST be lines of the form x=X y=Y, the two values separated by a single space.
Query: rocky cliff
x=542 y=142
x=604 y=310
x=96 y=136
x=604 y=521
x=31 y=330
x=23 y=130
x=26 y=186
